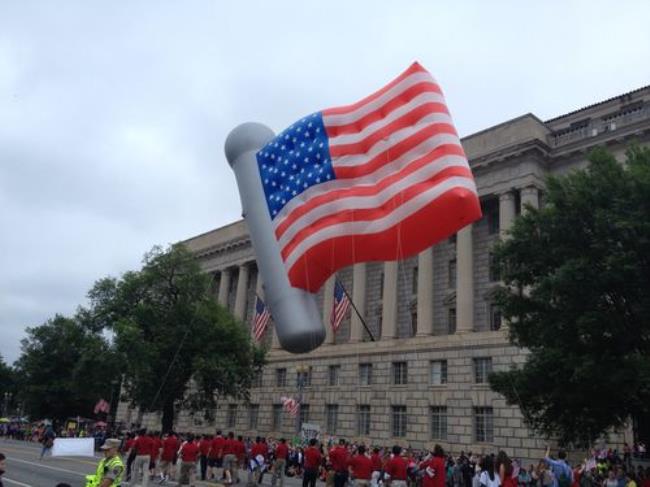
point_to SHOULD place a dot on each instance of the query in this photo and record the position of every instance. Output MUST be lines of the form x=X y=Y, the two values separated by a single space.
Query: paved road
x=24 y=469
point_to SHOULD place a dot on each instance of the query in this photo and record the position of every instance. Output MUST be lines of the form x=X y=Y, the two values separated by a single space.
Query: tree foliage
x=64 y=369
x=7 y=385
x=178 y=346
x=577 y=276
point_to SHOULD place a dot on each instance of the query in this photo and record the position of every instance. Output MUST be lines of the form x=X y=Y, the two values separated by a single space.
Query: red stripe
x=431 y=157
x=381 y=112
x=409 y=119
x=394 y=152
x=370 y=214
x=413 y=68
x=438 y=220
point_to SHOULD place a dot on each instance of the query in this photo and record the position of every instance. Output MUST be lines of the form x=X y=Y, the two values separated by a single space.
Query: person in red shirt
x=255 y=472
x=188 y=454
x=361 y=467
x=215 y=456
x=230 y=458
x=434 y=468
x=204 y=450
x=377 y=466
x=156 y=445
x=281 y=455
x=312 y=462
x=339 y=460
x=168 y=456
x=142 y=445
x=396 y=467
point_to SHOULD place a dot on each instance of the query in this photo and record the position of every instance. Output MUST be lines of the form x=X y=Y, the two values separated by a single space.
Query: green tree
x=64 y=369
x=577 y=276
x=7 y=386
x=178 y=347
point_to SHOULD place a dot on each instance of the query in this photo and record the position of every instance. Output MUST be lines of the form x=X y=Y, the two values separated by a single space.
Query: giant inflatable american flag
x=381 y=179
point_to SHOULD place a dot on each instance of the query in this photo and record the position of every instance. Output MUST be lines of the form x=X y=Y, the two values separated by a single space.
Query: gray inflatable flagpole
x=294 y=311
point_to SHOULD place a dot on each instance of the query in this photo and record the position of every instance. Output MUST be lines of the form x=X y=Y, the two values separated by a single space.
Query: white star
x=294 y=139
x=298 y=154
x=282 y=174
x=293 y=193
x=275 y=145
x=284 y=201
x=302 y=170
x=272 y=156
x=328 y=176
x=317 y=156
x=309 y=124
x=291 y=178
x=294 y=166
x=304 y=185
x=306 y=159
x=306 y=134
x=318 y=180
x=298 y=129
x=320 y=145
x=272 y=183
x=284 y=147
x=317 y=129
x=309 y=150
x=286 y=137
x=302 y=144
x=309 y=175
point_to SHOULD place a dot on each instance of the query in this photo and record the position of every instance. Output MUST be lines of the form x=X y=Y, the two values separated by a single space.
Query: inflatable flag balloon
x=381 y=179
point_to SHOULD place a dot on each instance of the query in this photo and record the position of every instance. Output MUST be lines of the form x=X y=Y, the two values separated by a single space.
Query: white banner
x=73 y=447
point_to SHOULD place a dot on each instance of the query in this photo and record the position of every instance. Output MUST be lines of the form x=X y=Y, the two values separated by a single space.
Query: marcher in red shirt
x=204 y=450
x=281 y=454
x=168 y=455
x=312 y=462
x=156 y=445
x=188 y=453
x=434 y=469
x=361 y=467
x=143 y=445
x=396 y=467
x=215 y=457
x=339 y=460
x=255 y=471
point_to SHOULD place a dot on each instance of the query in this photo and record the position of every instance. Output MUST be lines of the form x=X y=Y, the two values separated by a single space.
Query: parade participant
x=396 y=467
x=156 y=445
x=255 y=465
x=215 y=456
x=361 y=467
x=229 y=458
x=240 y=455
x=281 y=455
x=377 y=467
x=204 y=449
x=168 y=456
x=312 y=462
x=562 y=473
x=434 y=468
x=48 y=441
x=188 y=454
x=110 y=468
x=142 y=445
x=339 y=460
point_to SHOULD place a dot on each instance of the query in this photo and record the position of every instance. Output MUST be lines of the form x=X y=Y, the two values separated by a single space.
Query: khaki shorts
x=187 y=468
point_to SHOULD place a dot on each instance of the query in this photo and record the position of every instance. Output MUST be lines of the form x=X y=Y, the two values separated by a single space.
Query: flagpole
x=363 y=322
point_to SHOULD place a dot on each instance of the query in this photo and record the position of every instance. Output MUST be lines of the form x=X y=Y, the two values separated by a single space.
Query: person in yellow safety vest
x=110 y=469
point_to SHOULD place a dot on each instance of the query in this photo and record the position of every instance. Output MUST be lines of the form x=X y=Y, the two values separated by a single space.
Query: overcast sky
x=113 y=113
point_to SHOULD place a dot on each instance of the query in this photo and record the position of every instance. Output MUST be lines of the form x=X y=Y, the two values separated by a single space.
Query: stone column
x=242 y=292
x=464 y=281
x=425 y=293
x=224 y=286
x=359 y=299
x=529 y=195
x=389 y=301
x=328 y=302
x=507 y=211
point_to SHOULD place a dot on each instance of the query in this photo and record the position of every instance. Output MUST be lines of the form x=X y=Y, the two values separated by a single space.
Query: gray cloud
x=113 y=114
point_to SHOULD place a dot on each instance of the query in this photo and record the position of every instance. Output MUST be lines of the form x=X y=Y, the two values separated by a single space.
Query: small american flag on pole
x=340 y=306
x=381 y=179
x=290 y=405
x=261 y=318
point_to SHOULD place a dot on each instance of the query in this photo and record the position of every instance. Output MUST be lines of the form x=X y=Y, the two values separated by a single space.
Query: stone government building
x=438 y=333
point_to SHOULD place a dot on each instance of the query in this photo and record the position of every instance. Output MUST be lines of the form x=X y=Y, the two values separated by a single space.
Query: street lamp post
x=301 y=382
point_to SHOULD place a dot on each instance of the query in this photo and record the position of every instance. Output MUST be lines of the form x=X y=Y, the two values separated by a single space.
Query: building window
x=495 y=317
x=363 y=420
x=231 y=418
x=414 y=319
x=365 y=374
x=253 y=414
x=381 y=285
x=400 y=373
x=451 y=320
x=303 y=376
x=438 y=372
x=439 y=423
x=304 y=413
x=332 y=411
x=334 y=372
x=492 y=214
x=495 y=270
x=414 y=283
x=398 y=420
x=452 y=239
x=281 y=377
x=482 y=369
x=451 y=281
x=483 y=425
x=276 y=420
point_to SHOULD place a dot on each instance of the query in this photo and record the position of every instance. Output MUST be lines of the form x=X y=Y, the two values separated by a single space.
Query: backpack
x=564 y=480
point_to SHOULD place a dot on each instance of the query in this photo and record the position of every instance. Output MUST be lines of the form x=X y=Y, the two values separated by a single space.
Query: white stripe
x=362 y=227
x=405 y=84
x=419 y=100
x=357 y=202
x=368 y=179
x=393 y=139
x=11 y=459
x=7 y=479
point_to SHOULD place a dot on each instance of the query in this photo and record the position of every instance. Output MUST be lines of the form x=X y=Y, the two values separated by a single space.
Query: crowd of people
x=231 y=459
